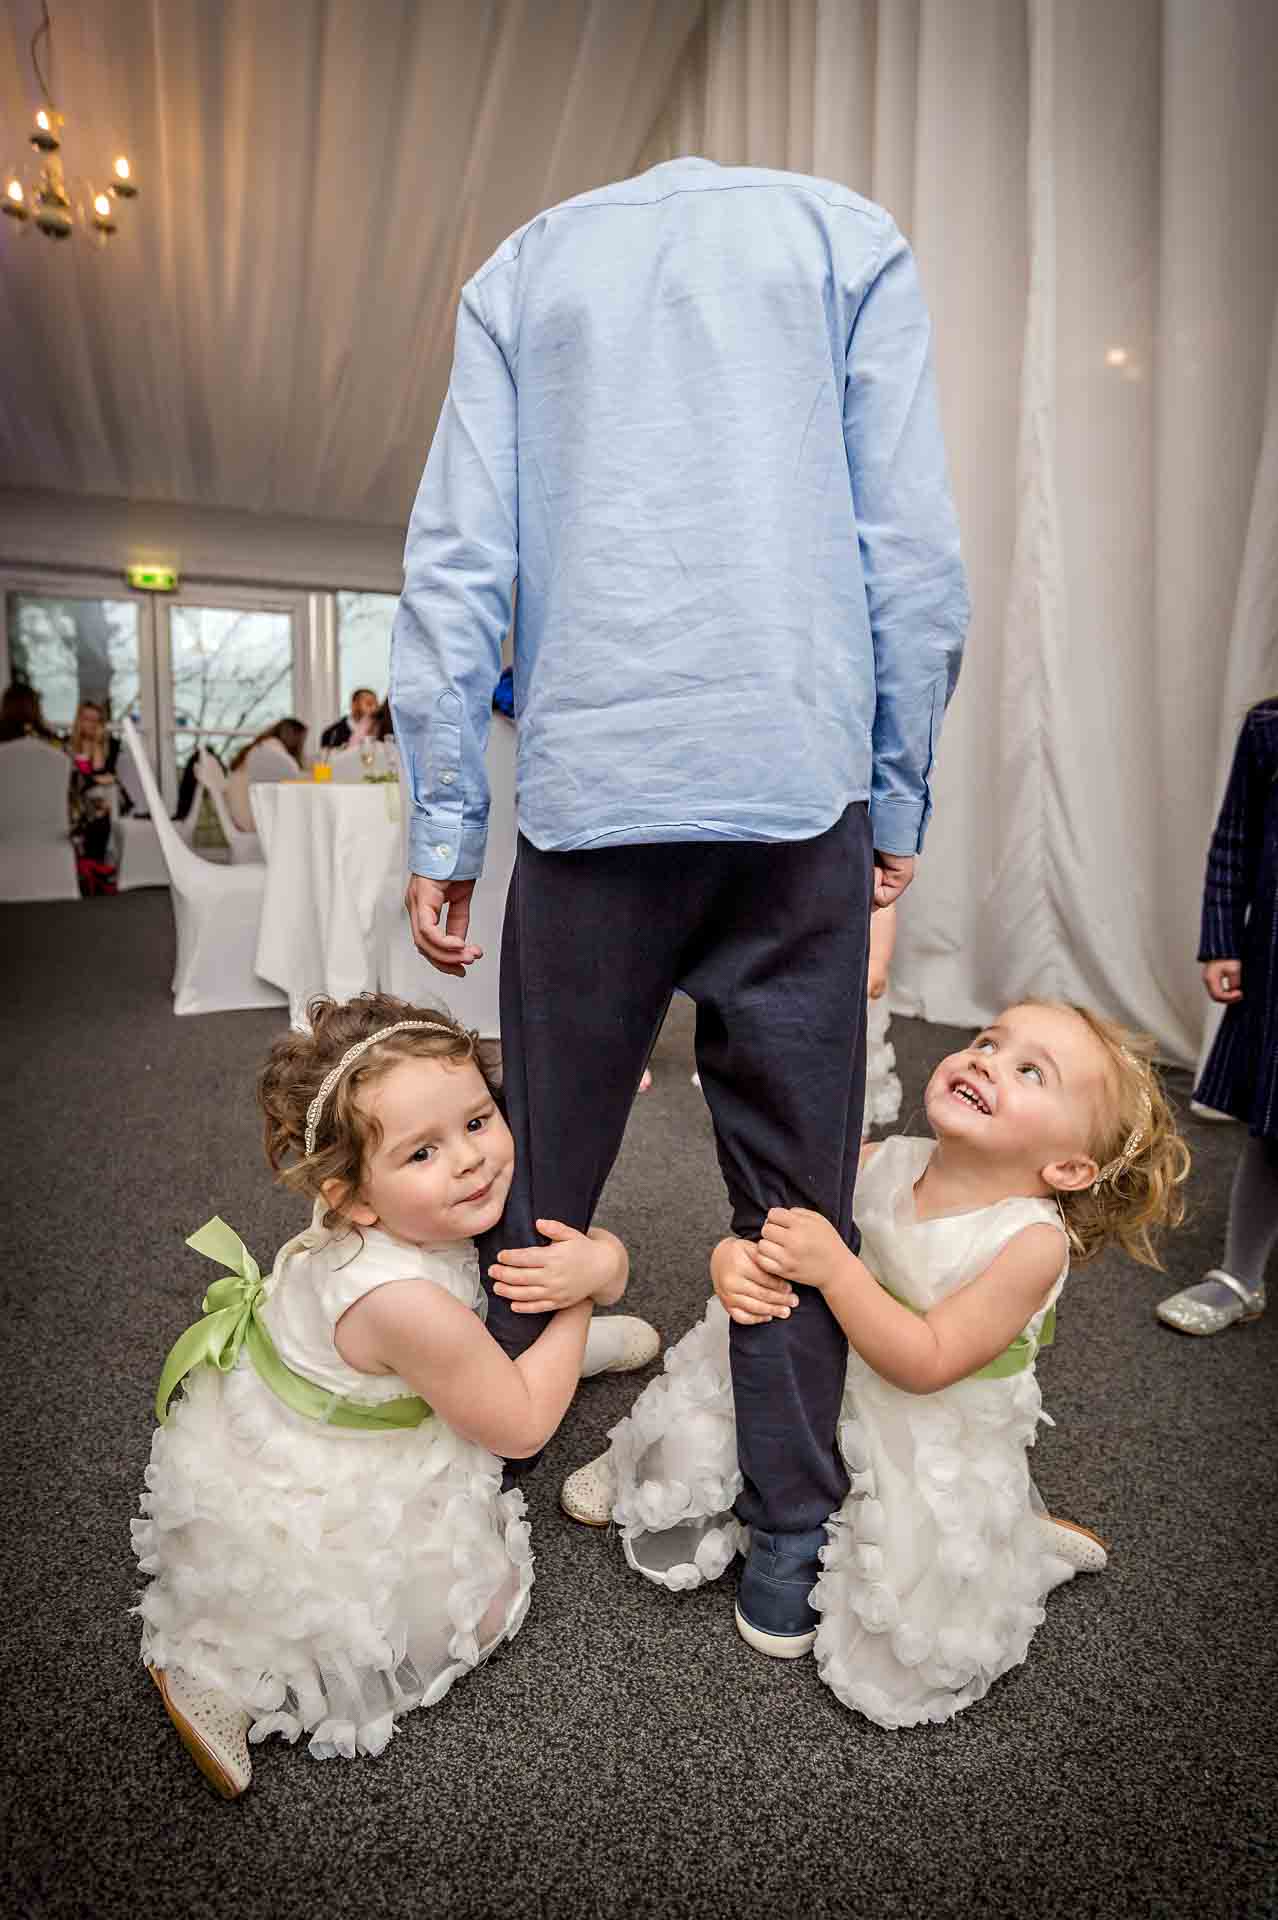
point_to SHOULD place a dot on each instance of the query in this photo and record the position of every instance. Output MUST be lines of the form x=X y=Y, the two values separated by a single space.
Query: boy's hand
x=801 y=1247
x=1223 y=980
x=575 y=1266
x=749 y=1294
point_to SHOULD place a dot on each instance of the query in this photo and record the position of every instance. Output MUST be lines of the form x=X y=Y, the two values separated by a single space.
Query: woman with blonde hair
x=93 y=795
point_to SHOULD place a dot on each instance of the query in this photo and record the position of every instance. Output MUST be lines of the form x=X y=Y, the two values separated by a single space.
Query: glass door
x=230 y=666
x=77 y=641
x=210 y=665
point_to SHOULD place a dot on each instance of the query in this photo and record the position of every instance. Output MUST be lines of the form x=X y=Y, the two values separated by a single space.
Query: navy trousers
x=770 y=939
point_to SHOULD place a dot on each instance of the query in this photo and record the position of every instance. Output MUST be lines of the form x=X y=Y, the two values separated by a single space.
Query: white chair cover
x=216 y=910
x=246 y=848
x=37 y=860
x=139 y=856
x=401 y=969
x=129 y=783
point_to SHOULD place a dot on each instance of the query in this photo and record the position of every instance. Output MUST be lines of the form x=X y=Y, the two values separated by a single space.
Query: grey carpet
x=627 y=1755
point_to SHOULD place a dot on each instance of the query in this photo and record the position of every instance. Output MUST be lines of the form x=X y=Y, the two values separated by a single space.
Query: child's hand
x=576 y=1266
x=750 y=1295
x=801 y=1247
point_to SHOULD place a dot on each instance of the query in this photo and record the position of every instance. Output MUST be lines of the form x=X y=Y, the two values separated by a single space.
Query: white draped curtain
x=1090 y=191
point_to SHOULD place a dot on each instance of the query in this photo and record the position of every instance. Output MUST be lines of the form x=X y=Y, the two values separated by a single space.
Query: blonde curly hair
x=299 y=1062
x=1143 y=1160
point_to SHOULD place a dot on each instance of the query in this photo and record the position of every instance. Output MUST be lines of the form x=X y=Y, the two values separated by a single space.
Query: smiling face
x=443 y=1166
x=1034 y=1090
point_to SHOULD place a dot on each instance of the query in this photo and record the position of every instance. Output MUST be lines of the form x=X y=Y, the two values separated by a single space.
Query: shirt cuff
x=443 y=849
x=898 y=826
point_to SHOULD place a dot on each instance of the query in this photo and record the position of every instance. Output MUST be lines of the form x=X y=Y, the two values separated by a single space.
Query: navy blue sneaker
x=773 y=1612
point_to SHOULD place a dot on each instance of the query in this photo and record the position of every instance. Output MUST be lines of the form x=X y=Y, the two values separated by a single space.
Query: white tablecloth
x=333 y=918
x=330 y=852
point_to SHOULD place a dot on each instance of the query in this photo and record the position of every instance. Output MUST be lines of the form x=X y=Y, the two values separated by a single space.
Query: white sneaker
x=1078 y=1546
x=210 y=1728
x=587 y=1495
x=618 y=1343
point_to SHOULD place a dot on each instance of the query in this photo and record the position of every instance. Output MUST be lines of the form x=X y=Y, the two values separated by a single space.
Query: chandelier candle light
x=43 y=201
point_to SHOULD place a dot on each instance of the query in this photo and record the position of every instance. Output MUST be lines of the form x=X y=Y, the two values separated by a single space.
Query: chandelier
x=43 y=198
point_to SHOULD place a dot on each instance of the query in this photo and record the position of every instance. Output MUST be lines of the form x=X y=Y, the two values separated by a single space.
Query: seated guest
x=384 y=722
x=349 y=731
x=21 y=718
x=190 y=781
x=92 y=793
x=276 y=754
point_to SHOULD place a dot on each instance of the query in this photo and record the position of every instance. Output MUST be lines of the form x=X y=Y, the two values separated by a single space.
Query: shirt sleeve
x=908 y=532
x=460 y=561
x=1234 y=855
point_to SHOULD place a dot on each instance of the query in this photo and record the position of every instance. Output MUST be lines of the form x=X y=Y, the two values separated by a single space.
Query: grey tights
x=1253 y=1212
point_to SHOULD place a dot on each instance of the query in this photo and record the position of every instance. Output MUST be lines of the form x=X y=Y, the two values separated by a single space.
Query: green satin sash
x=232 y=1323
x=1014 y=1358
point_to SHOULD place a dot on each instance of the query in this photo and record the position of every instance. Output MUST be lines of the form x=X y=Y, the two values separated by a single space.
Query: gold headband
x=315 y=1111
x=1135 y=1139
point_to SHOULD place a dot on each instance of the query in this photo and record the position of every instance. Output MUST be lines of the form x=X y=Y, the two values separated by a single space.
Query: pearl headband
x=314 y=1112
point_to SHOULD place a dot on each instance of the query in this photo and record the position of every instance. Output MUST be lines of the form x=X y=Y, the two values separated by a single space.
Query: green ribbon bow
x=232 y=1323
x=1014 y=1358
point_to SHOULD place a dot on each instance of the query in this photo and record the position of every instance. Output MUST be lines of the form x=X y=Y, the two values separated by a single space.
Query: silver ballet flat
x=1188 y=1313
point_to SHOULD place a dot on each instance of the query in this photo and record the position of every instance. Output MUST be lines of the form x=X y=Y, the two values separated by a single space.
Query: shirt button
x=443 y=850
x=446 y=779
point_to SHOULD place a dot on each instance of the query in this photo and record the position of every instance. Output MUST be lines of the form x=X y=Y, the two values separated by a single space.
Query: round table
x=333 y=918
x=331 y=851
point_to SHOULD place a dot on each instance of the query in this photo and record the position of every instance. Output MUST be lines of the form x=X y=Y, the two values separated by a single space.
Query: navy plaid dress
x=1240 y=922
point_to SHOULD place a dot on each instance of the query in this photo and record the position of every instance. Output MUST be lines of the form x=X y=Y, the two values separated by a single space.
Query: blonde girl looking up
x=1052 y=1140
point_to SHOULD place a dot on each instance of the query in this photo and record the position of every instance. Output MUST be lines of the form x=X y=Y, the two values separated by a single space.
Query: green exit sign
x=152 y=579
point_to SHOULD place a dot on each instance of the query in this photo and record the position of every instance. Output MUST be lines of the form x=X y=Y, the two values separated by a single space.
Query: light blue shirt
x=694 y=415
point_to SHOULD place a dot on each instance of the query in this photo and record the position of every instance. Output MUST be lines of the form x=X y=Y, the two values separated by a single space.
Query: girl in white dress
x=1052 y=1136
x=325 y=1530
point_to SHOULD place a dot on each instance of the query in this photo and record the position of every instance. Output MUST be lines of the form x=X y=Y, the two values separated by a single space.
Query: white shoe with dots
x=587 y=1495
x=1078 y=1546
x=213 y=1731
x=618 y=1343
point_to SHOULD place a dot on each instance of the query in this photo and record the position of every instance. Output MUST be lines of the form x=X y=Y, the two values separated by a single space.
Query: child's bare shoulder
x=395 y=1312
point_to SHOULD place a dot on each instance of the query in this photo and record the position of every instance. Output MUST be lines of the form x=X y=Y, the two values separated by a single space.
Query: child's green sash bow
x=231 y=1322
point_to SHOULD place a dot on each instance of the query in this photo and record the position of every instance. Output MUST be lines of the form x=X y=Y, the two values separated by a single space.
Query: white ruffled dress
x=882 y=1087
x=934 y=1575
x=327 y=1580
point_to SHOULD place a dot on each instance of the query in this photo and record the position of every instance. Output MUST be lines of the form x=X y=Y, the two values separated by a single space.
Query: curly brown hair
x=300 y=1061
x=1142 y=1198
